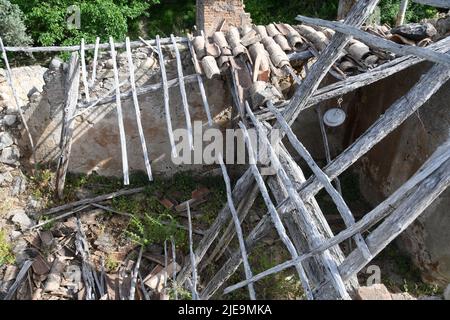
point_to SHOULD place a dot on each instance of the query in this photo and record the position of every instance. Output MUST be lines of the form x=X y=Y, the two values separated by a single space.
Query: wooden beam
x=123 y=141
x=435 y=3
x=138 y=110
x=401 y=13
x=184 y=98
x=386 y=208
x=84 y=74
x=192 y=255
x=165 y=85
x=237 y=225
x=379 y=42
x=72 y=90
x=342 y=207
x=134 y=44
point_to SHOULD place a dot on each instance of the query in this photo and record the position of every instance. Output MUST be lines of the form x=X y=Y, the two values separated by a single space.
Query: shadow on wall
x=96 y=143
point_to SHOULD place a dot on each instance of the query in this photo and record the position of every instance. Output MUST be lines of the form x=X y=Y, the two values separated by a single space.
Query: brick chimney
x=211 y=14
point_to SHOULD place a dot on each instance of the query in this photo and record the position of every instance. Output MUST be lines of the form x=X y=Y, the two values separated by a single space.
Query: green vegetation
x=12 y=28
x=47 y=19
x=416 y=12
x=284 y=285
x=267 y=11
x=399 y=274
x=111 y=264
x=152 y=222
x=6 y=254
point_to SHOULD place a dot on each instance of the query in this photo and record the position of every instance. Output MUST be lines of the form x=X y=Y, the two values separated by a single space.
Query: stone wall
x=96 y=145
x=212 y=13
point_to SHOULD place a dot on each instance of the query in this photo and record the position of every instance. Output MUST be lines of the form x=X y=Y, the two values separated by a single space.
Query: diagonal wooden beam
x=379 y=42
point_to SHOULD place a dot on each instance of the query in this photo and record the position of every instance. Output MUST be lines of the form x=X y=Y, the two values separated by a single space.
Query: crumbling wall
x=96 y=145
x=396 y=158
x=212 y=13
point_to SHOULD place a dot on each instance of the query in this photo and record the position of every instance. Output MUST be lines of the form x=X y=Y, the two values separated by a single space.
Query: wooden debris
x=138 y=110
x=67 y=128
x=84 y=74
x=19 y=279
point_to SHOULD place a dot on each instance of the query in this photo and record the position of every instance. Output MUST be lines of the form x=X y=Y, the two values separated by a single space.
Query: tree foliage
x=12 y=27
x=47 y=19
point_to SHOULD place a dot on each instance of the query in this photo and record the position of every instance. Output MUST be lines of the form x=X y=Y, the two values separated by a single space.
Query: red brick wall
x=211 y=13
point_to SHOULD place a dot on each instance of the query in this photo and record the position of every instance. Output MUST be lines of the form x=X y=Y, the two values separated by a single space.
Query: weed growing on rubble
x=147 y=230
x=6 y=254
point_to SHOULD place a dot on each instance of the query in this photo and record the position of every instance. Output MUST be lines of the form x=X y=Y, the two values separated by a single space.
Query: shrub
x=414 y=13
x=47 y=19
x=12 y=28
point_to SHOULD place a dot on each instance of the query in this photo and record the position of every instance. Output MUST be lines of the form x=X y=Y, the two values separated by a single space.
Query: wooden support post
x=166 y=97
x=305 y=216
x=237 y=225
x=84 y=75
x=183 y=93
x=401 y=13
x=134 y=44
x=138 y=110
x=123 y=141
x=72 y=87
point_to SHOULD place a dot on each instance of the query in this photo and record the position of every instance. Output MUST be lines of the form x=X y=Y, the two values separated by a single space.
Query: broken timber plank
x=71 y=99
x=123 y=141
x=94 y=64
x=386 y=208
x=200 y=82
x=342 y=207
x=273 y=213
x=192 y=255
x=68 y=206
x=183 y=93
x=138 y=110
x=237 y=225
x=300 y=206
x=379 y=42
x=434 y=3
x=166 y=97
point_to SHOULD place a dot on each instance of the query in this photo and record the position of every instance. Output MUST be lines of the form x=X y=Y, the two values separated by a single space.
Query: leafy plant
x=147 y=229
x=12 y=28
x=6 y=254
x=47 y=20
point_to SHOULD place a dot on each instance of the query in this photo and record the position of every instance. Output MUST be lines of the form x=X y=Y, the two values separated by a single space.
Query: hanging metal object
x=336 y=116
